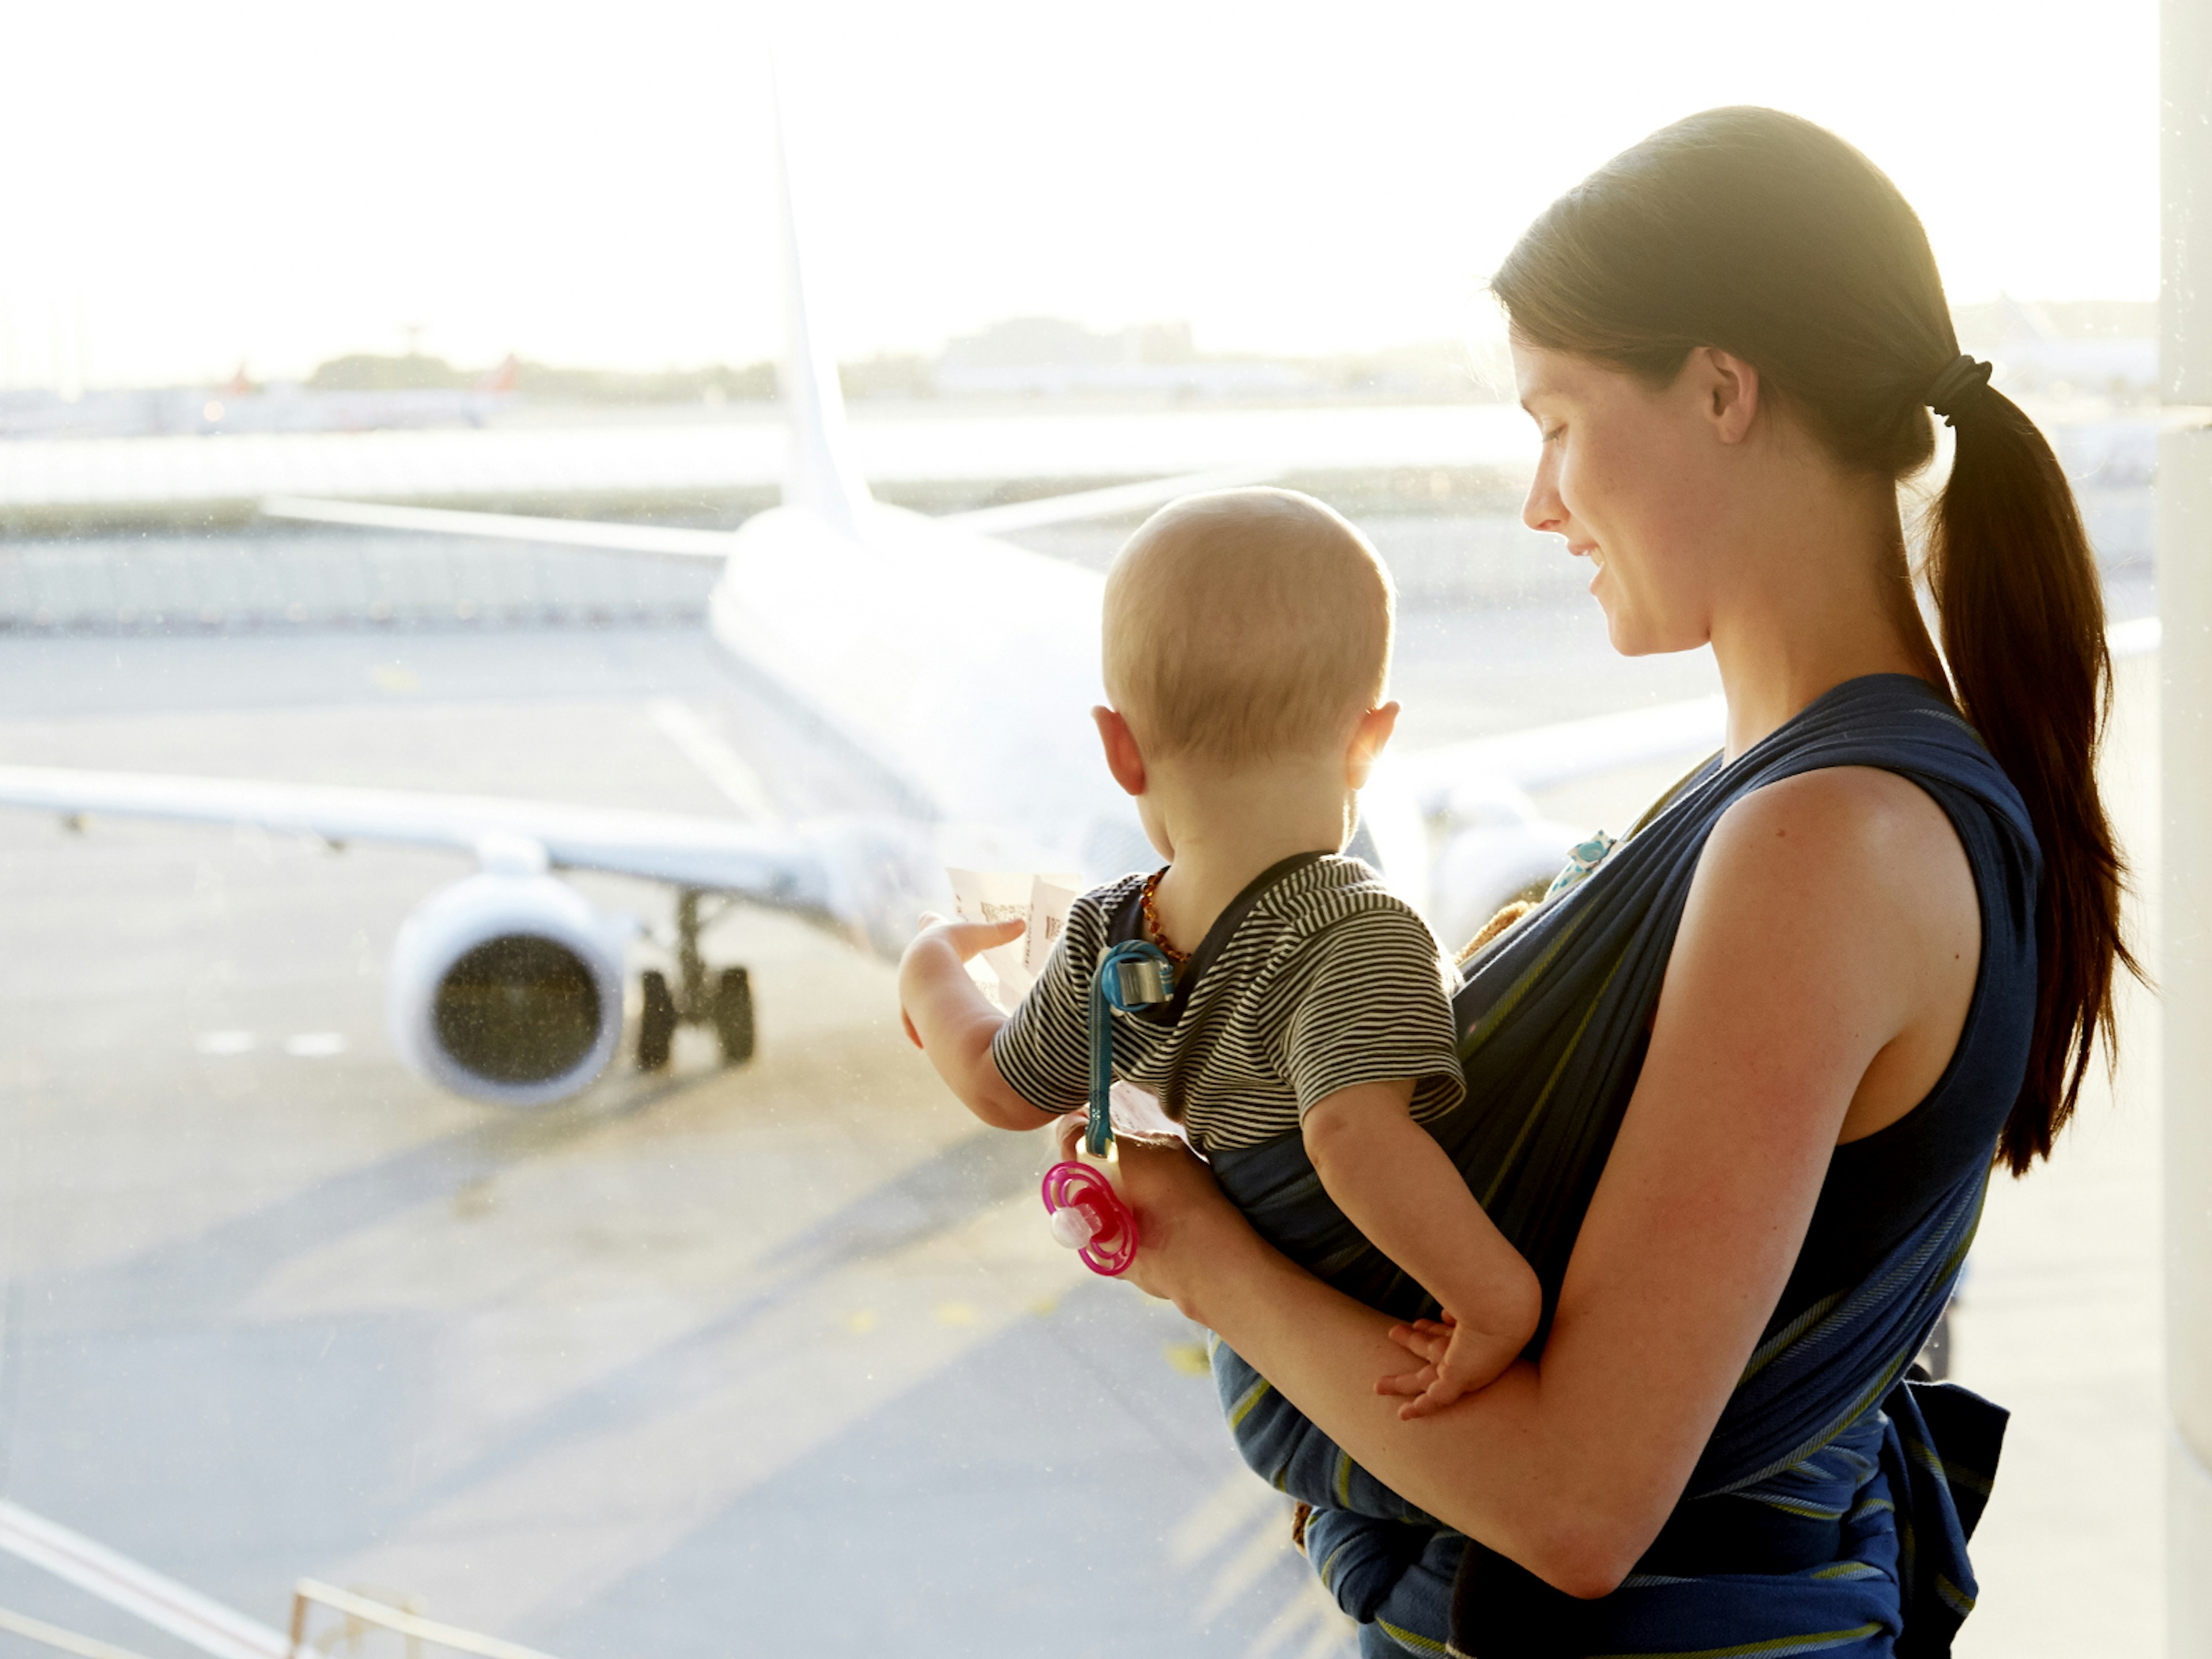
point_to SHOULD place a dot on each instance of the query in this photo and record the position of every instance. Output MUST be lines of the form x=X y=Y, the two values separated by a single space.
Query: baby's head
x=1247 y=632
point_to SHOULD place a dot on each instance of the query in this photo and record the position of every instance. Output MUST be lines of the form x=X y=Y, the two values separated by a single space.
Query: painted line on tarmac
x=705 y=748
x=161 y=1601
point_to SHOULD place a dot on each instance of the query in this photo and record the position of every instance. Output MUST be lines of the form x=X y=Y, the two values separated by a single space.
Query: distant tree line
x=417 y=371
x=1089 y=360
x=886 y=375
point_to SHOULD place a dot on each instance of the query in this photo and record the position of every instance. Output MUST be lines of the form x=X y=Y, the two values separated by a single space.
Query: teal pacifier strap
x=1133 y=976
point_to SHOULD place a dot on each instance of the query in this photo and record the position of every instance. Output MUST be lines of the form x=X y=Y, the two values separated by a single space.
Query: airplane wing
x=659 y=541
x=1110 y=502
x=1543 y=756
x=686 y=545
x=783 y=868
x=863 y=878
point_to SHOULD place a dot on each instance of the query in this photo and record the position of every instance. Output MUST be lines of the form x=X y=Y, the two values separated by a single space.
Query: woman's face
x=1638 y=481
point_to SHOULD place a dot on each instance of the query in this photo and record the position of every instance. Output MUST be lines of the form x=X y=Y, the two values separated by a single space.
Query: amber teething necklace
x=1148 y=910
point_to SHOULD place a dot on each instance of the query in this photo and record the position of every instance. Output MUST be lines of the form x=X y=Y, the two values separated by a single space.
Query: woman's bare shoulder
x=1872 y=922
x=1843 y=833
x=1842 y=804
x=1832 y=935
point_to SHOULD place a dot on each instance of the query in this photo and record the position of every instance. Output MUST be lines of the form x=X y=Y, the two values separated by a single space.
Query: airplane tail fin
x=819 y=472
x=501 y=377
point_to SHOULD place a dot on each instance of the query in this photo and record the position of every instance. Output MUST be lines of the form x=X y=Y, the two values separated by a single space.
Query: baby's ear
x=1123 y=758
x=1369 y=738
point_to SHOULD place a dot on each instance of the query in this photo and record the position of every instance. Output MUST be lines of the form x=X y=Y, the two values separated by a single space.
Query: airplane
x=955 y=669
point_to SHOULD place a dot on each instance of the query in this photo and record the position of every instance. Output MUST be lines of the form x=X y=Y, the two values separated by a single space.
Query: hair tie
x=1958 y=388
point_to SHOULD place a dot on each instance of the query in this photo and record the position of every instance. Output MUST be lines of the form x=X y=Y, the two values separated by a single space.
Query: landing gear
x=725 y=1001
x=656 y=1024
x=733 y=1015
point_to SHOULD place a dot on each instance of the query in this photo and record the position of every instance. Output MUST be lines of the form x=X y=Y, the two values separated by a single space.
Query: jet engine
x=508 y=987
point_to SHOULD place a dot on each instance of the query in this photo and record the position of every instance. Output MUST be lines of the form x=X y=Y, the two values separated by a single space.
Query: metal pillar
x=2184 y=599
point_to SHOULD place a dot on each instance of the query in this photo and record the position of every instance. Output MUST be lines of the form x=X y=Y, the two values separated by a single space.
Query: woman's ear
x=1730 y=390
x=1123 y=758
x=1367 y=739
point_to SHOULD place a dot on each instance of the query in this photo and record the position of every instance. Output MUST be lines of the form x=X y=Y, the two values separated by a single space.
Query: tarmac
x=774 y=1359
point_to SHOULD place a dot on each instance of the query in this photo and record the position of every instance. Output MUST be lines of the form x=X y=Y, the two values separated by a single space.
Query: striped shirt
x=1316 y=979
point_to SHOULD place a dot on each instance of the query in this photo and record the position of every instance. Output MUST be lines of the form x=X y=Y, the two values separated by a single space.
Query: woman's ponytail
x=1771 y=237
x=2022 y=617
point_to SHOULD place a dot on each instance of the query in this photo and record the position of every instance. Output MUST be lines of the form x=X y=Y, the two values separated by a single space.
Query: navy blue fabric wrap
x=1827 y=1449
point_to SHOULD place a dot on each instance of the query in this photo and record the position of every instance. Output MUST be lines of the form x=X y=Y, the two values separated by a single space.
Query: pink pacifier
x=1089 y=1217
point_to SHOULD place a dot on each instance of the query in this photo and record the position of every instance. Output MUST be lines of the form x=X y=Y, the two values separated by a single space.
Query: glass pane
x=458 y=1142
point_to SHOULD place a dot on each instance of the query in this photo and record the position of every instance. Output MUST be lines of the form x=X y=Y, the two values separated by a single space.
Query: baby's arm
x=1396 y=1183
x=952 y=1022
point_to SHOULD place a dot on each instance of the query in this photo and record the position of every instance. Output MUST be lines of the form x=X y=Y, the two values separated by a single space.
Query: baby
x=1246 y=650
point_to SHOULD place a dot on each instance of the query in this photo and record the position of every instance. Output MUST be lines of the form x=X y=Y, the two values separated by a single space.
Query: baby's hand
x=967 y=938
x=1456 y=1360
x=940 y=949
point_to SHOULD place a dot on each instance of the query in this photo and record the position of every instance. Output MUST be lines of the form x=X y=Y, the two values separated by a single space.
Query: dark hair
x=1771 y=237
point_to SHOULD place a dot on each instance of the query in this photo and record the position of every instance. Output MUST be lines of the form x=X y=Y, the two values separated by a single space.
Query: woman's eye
x=1553 y=435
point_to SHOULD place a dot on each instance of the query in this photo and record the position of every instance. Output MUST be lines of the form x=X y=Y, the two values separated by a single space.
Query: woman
x=1858 y=958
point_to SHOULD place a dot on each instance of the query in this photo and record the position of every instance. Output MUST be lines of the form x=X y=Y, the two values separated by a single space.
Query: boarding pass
x=1005 y=972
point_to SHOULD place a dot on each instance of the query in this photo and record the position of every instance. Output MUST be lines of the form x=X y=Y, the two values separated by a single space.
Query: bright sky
x=589 y=184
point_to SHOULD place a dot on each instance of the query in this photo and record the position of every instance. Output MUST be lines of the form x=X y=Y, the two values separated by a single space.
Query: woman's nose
x=1543 y=510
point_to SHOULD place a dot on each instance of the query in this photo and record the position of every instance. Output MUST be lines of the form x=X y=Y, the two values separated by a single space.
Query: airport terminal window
x=400 y=1179
x=458 y=816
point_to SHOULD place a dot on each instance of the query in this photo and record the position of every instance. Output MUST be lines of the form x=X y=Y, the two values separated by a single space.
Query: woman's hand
x=1187 y=1232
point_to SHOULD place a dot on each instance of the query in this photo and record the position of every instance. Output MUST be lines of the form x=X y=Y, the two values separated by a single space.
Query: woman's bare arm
x=1823 y=929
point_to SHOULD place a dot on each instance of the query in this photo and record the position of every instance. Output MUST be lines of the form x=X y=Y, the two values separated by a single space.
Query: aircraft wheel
x=733 y=1015
x=656 y=1025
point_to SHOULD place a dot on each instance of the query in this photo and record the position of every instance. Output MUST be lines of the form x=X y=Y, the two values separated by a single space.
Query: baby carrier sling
x=1825 y=1428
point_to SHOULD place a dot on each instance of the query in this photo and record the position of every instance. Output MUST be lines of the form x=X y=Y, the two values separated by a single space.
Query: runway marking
x=1245 y=1512
x=224 y=1042
x=726 y=768
x=159 y=1601
x=315 y=1045
x=1188 y=1358
x=1266 y=1543
x=1231 y=1507
x=409 y=1623
x=535 y=1542
x=67 y=1641
x=1311 y=1611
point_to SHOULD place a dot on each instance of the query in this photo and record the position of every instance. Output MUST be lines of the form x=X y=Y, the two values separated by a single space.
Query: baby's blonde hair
x=1246 y=625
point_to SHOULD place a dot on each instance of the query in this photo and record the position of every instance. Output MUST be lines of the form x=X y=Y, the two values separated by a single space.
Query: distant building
x=1053 y=356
